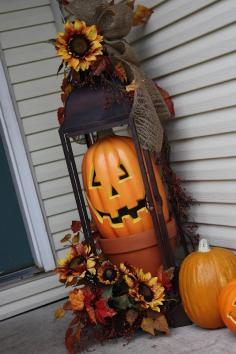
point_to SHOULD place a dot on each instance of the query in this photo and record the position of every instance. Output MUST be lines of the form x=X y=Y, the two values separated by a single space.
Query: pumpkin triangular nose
x=114 y=191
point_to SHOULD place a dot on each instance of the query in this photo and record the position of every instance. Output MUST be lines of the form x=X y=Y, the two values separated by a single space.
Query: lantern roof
x=94 y=108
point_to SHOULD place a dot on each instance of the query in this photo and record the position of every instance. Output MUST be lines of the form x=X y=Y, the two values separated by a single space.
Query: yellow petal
x=91 y=33
x=78 y=26
x=74 y=63
x=69 y=27
x=61 y=40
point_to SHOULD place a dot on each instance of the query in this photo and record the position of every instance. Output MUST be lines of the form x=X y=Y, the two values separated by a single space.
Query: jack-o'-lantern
x=114 y=188
x=227 y=305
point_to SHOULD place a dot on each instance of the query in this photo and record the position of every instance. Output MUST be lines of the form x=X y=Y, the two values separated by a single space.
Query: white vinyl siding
x=25 y=28
x=189 y=48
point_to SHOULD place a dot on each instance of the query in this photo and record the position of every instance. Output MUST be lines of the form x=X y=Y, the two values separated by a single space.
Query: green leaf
x=121 y=302
x=107 y=293
x=60 y=67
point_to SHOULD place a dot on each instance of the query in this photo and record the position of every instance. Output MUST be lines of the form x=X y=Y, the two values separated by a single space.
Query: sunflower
x=79 y=45
x=146 y=290
x=108 y=273
x=77 y=262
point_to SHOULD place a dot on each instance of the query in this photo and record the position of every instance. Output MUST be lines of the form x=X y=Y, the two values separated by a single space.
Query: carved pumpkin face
x=227 y=305
x=114 y=188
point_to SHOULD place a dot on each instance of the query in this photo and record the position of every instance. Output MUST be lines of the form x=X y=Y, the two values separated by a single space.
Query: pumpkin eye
x=125 y=172
x=94 y=182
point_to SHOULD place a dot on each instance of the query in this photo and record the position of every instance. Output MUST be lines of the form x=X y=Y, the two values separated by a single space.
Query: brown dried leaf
x=161 y=325
x=131 y=317
x=141 y=15
x=59 y=313
x=66 y=238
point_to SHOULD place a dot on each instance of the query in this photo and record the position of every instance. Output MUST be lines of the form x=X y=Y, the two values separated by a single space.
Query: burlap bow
x=114 y=21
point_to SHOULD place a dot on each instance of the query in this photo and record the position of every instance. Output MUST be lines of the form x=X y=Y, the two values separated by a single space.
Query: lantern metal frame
x=84 y=115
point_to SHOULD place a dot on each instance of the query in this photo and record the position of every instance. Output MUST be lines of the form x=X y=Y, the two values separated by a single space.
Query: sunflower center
x=146 y=292
x=76 y=262
x=110 y=274
x=79 y=45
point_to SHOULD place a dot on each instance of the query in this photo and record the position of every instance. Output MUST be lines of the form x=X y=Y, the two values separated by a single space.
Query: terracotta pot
x=140 y=250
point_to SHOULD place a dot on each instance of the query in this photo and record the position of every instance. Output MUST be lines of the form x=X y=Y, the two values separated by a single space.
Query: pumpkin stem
x=104 y=133
x=203 y=246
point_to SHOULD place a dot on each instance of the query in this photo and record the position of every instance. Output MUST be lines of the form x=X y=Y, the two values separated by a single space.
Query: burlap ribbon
x=114 y=21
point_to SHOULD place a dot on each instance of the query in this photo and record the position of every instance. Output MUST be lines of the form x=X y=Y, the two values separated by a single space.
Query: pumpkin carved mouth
x=124 y=211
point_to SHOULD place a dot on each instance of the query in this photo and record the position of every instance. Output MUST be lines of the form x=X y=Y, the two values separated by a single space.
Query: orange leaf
x=120 y=72
x=147 y=325
x=141 y=15
x=131 y=317
x=59 y=313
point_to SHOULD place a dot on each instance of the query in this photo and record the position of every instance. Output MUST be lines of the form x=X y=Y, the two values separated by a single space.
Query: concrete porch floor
x=37 y=332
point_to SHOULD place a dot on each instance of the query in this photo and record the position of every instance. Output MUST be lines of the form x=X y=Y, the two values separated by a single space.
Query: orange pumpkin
x=202 y=276
x=114 y=188
x=227 y=305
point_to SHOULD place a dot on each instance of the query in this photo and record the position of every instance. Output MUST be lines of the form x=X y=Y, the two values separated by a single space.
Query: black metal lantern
x=87 y=112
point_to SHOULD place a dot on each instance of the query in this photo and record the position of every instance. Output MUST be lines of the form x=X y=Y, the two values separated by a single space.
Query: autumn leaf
x=131 y=317
x=78 y=334
x=166 y=96
x=66 y=238
x=59 y=313
x=120 y=72
x=155 y=323
x=67 y=306
x=100 y=65
x=70 y=341
x=141 y=15
x=165 y=277
x=148 y=326
x=75 y=225
x=91 y=314
x=103 y=310
x=61 y=115
x=161 y=325
x=75 y=238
